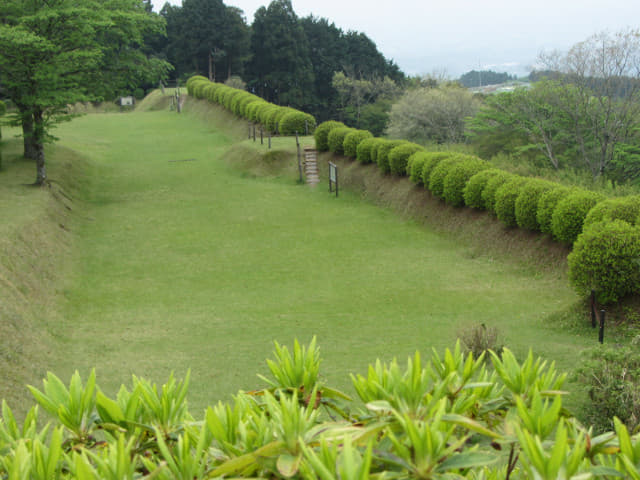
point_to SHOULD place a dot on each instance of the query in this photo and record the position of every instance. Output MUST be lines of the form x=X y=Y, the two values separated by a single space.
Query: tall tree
x=281 y=69
x=50 y=51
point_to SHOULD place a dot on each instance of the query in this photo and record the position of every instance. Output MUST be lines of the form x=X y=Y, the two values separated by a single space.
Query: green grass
x=190 y=253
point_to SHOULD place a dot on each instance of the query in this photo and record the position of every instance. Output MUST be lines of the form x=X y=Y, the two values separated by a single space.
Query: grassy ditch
x=191 y=251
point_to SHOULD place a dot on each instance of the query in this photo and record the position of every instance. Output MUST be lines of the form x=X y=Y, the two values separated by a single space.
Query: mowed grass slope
x=183 y=261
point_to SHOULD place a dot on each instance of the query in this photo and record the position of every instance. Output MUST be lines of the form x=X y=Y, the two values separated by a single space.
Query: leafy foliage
x=336 y=138
x=382 y=153
x=505 y=200
x=622 y=208
x=570 y=213
x=526 y=207
x=442 y=418
x=365 y=149
x=457 y=178
x=439 y=174
x=296 y=122
x=605 y=259
x=612 y=377
x=493 y=184
x=432 y=114
x=475 y=186
x=415 y=164
x=353 y=140
x=399 y=157
x=431 y=161
x=547 y=205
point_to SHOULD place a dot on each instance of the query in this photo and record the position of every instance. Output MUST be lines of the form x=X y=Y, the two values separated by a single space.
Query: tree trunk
x=38 y=145
x=28 y=135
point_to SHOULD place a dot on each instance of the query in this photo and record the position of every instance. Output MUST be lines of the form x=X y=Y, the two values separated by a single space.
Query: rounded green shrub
x=399 y=157
x=336 y=139
x=431 y=161
x=363 y=151
x=605 y=259
x=277 y=118
x=221 y=91
x=353 y=140
x=374 y=150
x=296 y=121
x=193 y=81
x=568 y=216
x=547 y=204
x=254 y=108
x=382 y=153
x=265 y=113
x=457 y=178
x=492 y=186
x=415 y=164
x=505 y=200
x=271 y=117
x=527 y=202
x=621 y=208
x=199 y=88
x=439 y=173
x=244 y=102
x=475 y=186
x=321 y=134
x=236 y=101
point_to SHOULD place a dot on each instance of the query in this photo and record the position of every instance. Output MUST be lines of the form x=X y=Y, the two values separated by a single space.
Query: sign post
x=333 y=177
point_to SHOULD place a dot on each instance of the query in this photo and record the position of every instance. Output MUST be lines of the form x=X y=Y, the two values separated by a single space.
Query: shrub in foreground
x=605 y=258
x=457 y=178
x=336 y=139
x=399 y=157
x=612 y=378
x=443 y=418
x=568 y=216
x=505 y=200
x=526 y=208
x=353 y=139
x=622 y=208
x=321 y=134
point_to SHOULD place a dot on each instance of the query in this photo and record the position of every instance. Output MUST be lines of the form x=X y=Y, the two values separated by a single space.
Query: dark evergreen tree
x=281 y=69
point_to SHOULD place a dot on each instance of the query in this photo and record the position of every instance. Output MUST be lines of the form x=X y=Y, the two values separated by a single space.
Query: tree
x=51 y=52
x=432 y=114
x=355 y=93
x=281 y=67
x=527 y=116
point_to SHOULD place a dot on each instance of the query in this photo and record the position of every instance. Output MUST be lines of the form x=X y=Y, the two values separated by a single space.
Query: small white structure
x=126 y=101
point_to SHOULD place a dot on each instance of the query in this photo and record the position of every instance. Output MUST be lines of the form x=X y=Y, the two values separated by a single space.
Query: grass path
x=192 y=264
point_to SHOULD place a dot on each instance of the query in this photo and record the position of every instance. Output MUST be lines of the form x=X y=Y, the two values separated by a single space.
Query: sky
x=452 y=37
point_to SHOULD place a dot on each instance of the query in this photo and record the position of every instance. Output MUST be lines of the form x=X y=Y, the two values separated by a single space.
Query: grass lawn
x=183 y=261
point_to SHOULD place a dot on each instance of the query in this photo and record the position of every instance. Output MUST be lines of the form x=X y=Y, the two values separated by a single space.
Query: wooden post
x=261 y=136
x=254 y=133
x=601 y=332
x=269 y=139
x=249 y=124
x=299 y=158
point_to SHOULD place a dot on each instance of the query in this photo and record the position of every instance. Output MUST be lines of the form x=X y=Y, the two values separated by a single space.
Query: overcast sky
x=455 y=36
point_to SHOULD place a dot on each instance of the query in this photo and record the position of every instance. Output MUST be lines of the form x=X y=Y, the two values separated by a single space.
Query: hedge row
x=529 y=203
x=274 y=118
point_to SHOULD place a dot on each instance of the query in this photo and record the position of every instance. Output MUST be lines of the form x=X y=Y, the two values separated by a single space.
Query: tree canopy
x=57 y=52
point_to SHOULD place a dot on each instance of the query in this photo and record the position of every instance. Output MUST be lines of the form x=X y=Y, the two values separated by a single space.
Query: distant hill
x=482 y=78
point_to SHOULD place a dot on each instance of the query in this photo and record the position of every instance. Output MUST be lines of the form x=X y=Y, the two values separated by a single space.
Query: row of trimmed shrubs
x=274 y=118
x=605 y=258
